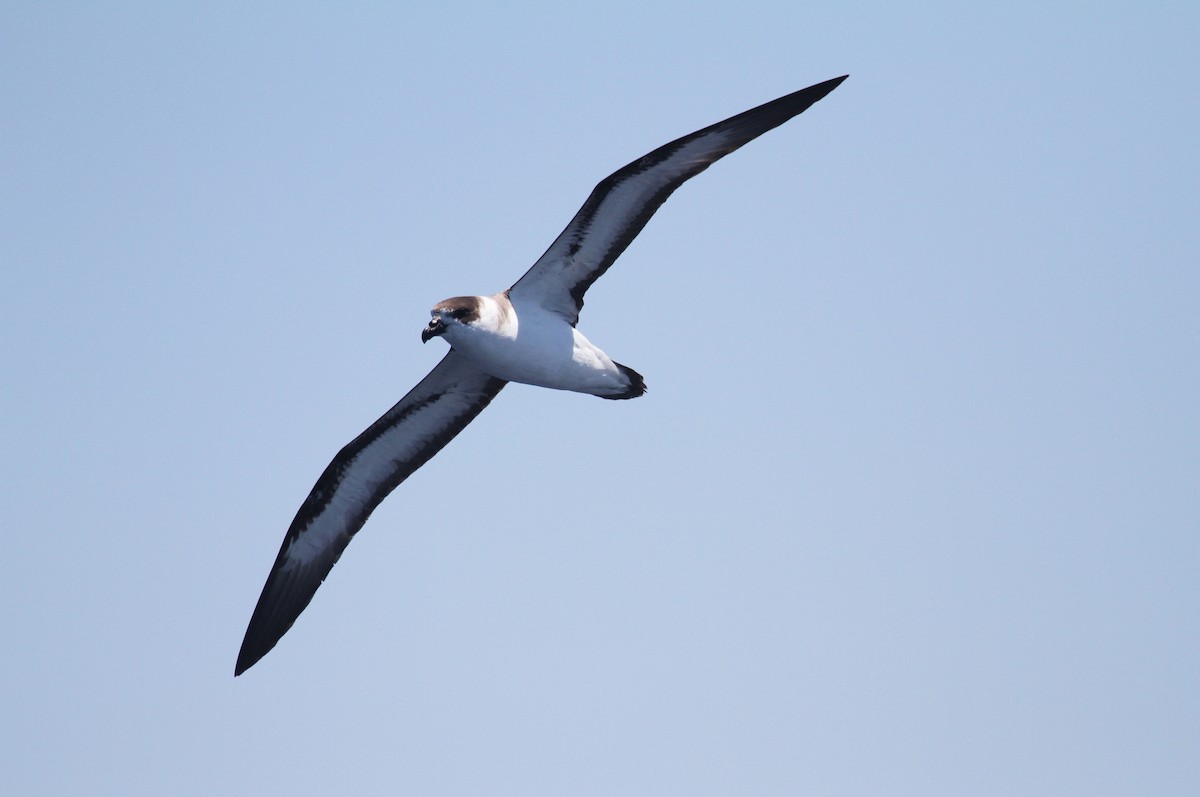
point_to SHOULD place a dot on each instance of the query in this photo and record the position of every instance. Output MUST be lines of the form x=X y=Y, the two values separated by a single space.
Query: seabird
x=524 y=334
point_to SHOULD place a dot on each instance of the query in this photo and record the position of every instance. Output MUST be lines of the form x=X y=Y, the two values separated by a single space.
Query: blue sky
x=911 y=506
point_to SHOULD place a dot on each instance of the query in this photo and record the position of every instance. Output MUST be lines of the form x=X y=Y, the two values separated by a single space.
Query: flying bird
x=524 y=334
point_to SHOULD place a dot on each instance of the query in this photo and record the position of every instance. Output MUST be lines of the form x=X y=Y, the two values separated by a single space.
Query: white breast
x=528 y=344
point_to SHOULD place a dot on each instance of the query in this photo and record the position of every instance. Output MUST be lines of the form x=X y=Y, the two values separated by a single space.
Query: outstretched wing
x=622 y=203
x=358 y=479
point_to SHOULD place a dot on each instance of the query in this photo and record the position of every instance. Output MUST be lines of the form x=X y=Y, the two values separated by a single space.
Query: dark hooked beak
x=435 y=328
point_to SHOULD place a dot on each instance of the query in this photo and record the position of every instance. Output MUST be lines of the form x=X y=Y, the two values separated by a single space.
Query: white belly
x=541 y=349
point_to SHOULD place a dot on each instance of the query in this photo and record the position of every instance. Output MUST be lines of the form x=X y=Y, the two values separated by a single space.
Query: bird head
x=461 y=311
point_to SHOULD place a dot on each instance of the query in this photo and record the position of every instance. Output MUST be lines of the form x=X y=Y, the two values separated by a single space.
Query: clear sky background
x=912 y=505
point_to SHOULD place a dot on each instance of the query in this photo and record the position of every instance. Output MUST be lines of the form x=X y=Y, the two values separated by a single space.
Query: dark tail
x=637 y=385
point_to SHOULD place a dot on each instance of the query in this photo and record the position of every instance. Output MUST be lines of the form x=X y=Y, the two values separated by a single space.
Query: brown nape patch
x=461 y=308
x=637 y=385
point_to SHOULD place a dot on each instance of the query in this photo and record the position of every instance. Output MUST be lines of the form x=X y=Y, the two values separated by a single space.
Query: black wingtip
x=277 y=608
x=821 y=89
x=246 y=660
x=254 y=648
x=249 y=655
x=273 y=617
x=257 y=642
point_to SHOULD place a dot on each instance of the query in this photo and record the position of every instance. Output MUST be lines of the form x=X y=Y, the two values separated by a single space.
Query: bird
x=525 y=334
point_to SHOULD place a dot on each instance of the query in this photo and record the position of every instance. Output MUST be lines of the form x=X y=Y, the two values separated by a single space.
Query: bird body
x=524 y=342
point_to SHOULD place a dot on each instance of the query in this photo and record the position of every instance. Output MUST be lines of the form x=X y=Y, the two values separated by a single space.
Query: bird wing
x=354 y=483
x=621 y=204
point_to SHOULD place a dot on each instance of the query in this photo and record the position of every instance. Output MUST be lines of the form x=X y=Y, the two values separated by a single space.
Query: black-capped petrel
x=524 y=334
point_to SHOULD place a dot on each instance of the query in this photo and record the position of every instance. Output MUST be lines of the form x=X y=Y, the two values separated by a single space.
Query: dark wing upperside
x=354 y=483
x=621 y=204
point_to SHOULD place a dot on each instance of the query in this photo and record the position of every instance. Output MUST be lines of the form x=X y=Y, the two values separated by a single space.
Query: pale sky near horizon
x=912 y=506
